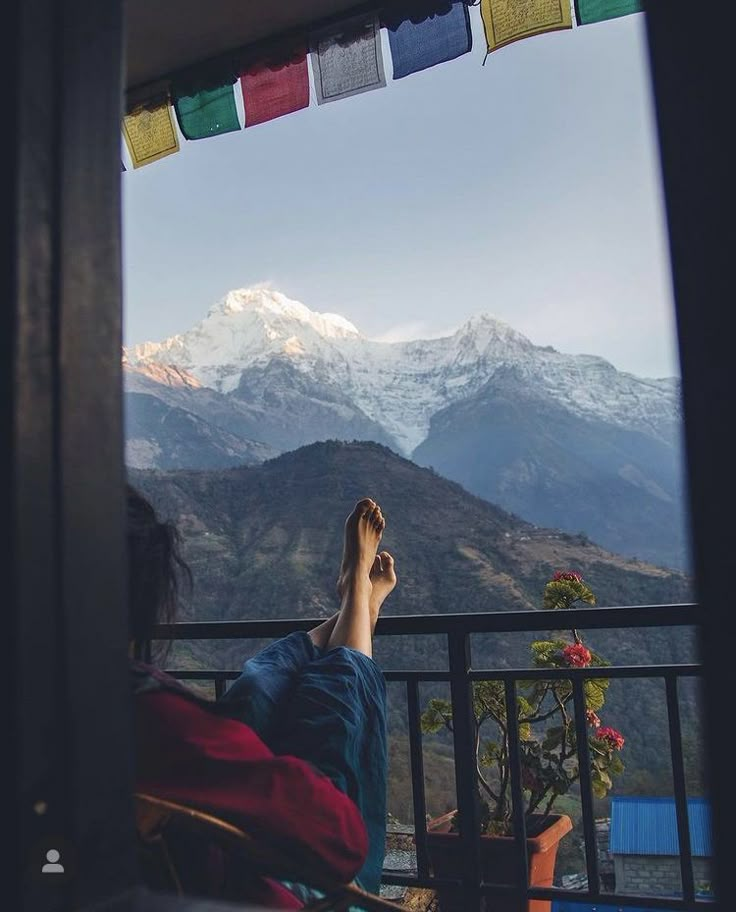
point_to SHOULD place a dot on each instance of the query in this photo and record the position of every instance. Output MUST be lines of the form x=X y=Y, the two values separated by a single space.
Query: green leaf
x=595 y=693
x=546 y=653
x=489 y=753
x=437 y=715
x=599 y=790
x=566 y=593
x=489 y=700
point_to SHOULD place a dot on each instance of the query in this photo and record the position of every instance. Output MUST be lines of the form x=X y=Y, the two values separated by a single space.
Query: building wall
x=656 y=875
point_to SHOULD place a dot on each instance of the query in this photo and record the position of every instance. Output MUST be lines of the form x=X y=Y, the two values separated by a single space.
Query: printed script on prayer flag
x=150 y=134
x=347 y=59
x=505 y=21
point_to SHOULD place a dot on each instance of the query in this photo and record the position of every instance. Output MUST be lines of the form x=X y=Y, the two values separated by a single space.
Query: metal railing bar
x=492 y=674
x=668 y=903
x=678 y=773
x=203 y=674
x=417 y=777
x=678 y=615
x=195 y=674
x=394 y=879
x=463 y=734
x=606 y=671
x=417 y=676
x=517 y=796
x=586 y=792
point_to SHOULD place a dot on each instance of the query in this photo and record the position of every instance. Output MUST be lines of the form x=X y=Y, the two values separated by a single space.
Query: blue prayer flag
x=420 y=36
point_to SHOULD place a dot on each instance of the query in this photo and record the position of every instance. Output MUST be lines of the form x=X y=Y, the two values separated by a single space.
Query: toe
x=364 y=505
x=372 y=515
x=387 y=560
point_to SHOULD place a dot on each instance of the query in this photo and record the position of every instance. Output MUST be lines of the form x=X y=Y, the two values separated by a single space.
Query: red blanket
x=188 y=754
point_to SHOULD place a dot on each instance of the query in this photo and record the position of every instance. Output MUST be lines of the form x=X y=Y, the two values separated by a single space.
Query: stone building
x=644 y=845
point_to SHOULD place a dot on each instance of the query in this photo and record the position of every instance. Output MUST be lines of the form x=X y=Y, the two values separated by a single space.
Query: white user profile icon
x=52 y=865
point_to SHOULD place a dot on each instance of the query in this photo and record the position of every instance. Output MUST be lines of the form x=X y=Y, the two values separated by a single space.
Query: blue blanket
x=329 y=708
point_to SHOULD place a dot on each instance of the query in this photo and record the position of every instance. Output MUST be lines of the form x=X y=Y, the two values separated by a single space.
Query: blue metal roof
x=648 y=826
x=564 y=905
x=561 y=905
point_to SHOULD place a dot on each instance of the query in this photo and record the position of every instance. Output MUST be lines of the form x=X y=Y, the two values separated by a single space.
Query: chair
x=157 y=819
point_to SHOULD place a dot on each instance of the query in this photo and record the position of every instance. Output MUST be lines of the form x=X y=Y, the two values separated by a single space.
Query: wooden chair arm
x=153 y=814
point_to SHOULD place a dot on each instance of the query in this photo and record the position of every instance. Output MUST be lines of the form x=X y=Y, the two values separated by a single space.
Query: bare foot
x=383 y=580
x=363 y=530
x=354 y=625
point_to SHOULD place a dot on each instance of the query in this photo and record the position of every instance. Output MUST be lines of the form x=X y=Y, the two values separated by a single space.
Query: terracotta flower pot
x=498 y=860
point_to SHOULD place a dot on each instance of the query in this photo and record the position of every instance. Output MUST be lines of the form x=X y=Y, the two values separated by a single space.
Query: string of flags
x=346 y=59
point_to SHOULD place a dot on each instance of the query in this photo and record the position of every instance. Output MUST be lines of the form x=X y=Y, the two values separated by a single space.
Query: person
x=295 y=750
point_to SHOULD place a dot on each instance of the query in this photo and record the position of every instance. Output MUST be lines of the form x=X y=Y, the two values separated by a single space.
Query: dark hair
x=155 y=568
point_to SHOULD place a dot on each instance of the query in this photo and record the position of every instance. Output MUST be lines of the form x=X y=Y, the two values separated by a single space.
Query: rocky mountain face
x=172 y=421
x=562 y=440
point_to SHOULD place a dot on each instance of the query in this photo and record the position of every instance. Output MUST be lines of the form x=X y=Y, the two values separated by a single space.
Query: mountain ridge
x=563 y=440
x=250 y=327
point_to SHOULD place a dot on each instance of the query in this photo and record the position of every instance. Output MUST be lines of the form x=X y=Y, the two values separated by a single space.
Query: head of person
x=156 y=570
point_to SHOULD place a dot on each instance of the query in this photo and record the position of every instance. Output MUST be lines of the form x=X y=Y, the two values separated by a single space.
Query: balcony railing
x=460 y=676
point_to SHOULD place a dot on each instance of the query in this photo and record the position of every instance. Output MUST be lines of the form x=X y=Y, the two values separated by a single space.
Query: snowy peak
x=247 y=327
x=276 y=310
x=398 y=385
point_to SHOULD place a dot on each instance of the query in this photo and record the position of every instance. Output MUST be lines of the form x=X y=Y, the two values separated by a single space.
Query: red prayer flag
x=272 y=88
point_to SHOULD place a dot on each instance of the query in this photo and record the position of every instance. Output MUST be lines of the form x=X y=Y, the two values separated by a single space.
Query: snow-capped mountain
x=562 y=440
x=399 y=385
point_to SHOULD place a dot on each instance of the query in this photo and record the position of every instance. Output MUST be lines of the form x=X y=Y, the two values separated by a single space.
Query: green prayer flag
x=587 y=11
x=206 y=112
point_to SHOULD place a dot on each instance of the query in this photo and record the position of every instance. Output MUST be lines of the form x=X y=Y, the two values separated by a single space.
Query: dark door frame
x=68 y=729
x=64 y=492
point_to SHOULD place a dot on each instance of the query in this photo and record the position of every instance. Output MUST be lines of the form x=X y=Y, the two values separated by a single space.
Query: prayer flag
x=206 y=112
x=505 y=21
x=150 y=134
x=275 y=87
x=347 y=58
x=587 y=11
x=422 y=35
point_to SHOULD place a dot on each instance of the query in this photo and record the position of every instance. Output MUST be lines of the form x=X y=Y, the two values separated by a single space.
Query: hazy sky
x=527 y=188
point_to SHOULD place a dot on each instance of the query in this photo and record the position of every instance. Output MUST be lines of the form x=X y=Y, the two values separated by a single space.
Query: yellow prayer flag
x=505 y=21
x=150 y=134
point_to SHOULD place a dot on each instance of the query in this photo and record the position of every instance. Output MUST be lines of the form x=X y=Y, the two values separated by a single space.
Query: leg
x=336 y=720
x=320 y=635
x=363 y=530
x=266 y=681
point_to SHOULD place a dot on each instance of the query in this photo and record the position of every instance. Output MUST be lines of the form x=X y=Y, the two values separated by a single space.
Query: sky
x=527 y=188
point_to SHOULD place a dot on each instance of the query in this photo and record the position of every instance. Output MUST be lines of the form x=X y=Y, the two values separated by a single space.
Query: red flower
x=576 y=655
x=570 y=575
x=592 y=718
x=612 y=737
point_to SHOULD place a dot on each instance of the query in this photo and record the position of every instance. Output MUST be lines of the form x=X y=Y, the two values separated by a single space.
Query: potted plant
x=549 y=764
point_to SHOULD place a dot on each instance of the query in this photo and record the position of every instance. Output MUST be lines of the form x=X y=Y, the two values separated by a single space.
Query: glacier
x=401 y=385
